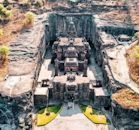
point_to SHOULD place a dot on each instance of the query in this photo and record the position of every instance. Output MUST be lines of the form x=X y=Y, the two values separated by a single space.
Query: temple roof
x=78 y=79
x=66 y=41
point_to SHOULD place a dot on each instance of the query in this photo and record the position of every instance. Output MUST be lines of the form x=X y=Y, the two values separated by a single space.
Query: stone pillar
x=56 y=67
x=85 y=68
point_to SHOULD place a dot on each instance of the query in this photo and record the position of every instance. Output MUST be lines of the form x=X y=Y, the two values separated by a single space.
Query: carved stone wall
x=21 y=110
x=84 y=26
x=122 y=118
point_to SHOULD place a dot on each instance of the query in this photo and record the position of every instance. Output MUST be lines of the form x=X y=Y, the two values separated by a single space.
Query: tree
x=4 y=51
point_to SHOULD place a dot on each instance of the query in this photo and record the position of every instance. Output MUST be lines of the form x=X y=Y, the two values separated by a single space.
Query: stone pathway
x=72 y=119
x=93 y=71
x=47 y=67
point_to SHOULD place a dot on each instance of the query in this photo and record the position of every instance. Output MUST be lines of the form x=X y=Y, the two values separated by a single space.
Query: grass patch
x=94 y=111
x=54 y=109
x=46 y=115
x=93 y=115
x=83 y=108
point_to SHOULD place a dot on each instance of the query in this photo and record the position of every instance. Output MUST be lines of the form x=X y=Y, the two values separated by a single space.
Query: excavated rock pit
x=27 y=55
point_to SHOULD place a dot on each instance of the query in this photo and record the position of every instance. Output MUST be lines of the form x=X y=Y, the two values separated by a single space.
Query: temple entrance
x=69 y=97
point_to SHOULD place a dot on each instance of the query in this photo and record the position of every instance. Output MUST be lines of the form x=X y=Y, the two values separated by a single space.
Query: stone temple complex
x=73 y=53
x=72 y=58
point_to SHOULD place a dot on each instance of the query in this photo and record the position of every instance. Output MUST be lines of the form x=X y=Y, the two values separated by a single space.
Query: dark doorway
x=70 y=97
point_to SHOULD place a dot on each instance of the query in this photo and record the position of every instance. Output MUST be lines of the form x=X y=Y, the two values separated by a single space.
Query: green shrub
x=39 y=3
x=4 y=13
x=4 y=51
x=8 y=14
x=1 y=7
x=1 y=10
x=29 y=18
x=5 y=3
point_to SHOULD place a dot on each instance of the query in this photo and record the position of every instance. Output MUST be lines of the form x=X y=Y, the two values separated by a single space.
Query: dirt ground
x=133 y=63
x=127 y=98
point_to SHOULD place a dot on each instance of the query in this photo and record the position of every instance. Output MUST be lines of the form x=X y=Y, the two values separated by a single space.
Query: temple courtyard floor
x=72 y=119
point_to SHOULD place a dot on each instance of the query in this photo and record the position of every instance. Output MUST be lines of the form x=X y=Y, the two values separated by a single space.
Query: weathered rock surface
x=16 y=91
x=124 y=117
x=24 y=50
x=110 y=55
x=17 y=110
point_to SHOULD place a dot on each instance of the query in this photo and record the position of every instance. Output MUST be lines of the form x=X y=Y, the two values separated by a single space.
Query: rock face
x=83 y=25
x=125 y=118
x=25 y=50
x=125 y=109
x=17 y=91
x=17 y=111
x=115 y=78
x=103 y=60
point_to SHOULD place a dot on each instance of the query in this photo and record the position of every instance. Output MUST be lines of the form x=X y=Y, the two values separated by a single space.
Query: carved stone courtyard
x=72 y=119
